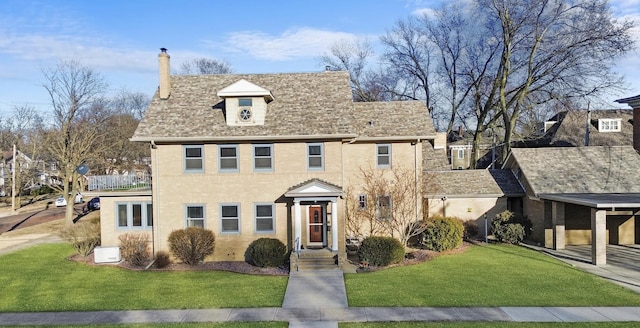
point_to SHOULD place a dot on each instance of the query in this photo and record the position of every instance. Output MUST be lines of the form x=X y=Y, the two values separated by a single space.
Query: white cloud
x=429 y=12
x=291 y=44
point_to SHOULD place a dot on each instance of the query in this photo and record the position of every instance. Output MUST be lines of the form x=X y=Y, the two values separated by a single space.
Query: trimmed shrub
x=505 y=230
x=442 y=233
x=134 y=248
x=266 y=252
x=381 y=251
x=470 y=230
x=162 y=259
x=84 y=236
x=191 y=245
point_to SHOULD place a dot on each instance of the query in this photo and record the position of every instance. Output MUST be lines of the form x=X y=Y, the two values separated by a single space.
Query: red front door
x=316 y=224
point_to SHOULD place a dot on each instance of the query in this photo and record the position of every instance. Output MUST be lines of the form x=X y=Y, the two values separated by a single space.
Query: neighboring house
x=262 y=155
x=580 y=195
x=25 y=163
x=585 y=128
x=473 y=195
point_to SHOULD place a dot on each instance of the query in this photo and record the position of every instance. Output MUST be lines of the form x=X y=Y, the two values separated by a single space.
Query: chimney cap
x=164 y=50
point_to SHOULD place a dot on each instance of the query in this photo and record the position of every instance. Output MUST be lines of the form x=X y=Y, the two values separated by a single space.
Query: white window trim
x=378 y=156
x=184 y=158
x=145 y=216
x=222 y=219
x=273 y=217
x=270 y=146
x=321 y=168
x=187 y=218
x=460 y=153
x=220 y=169
x=605 y=125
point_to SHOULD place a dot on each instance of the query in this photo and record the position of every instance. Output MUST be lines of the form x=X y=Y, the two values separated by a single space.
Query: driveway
x=23 y=220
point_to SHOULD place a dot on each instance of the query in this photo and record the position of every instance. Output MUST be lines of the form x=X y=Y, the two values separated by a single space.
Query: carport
x=601 y=205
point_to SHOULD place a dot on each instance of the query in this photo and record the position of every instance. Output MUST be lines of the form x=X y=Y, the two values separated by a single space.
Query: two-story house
x=262 y=155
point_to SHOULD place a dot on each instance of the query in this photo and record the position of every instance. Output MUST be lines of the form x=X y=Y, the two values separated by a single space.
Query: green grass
x=40 y=278
x=493 y=275
x=486 y=324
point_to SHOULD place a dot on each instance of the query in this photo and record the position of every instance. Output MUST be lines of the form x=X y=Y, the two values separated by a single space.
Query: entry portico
x=319 y=226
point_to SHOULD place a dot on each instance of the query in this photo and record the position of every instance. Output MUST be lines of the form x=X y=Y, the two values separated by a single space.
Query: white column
x=297 y=225
x=598 y=237
x=557 y=219
x=334 y=225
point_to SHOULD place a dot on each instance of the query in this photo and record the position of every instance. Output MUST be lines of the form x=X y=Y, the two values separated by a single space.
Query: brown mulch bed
x=231 y=266
x=415 y=257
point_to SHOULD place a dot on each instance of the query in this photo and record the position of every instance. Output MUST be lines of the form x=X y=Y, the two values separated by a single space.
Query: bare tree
x=201 y=66
x=73 y=89
x=353 y=56
x=386 y=203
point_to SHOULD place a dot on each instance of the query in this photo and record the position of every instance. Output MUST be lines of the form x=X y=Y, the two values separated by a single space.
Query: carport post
x=598 y=237
x=557 y=221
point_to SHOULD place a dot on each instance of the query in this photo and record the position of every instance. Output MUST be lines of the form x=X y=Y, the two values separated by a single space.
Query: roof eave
x=241 y=138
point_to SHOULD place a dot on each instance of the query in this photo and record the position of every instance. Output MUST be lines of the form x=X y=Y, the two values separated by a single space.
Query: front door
x=316 y=225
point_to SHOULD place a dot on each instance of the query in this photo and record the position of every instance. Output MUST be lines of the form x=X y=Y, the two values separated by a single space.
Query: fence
x=119 y=182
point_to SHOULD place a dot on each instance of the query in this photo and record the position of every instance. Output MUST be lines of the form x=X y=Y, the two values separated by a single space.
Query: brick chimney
x=165 y=84
x=634 y=102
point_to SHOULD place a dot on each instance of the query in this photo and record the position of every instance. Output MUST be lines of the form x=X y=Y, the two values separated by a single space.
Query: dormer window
x=609 y=125
x=246 y=103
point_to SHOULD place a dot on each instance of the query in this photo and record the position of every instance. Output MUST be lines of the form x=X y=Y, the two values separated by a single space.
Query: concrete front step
x=306 y=264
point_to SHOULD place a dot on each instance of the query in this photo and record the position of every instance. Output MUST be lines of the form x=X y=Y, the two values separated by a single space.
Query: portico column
x=334 y=225
x=297 y=225
x=598 y=237
x=557 y=221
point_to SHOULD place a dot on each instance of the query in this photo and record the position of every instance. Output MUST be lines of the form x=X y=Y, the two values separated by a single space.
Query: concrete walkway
x=309 y=293
x=329 y=317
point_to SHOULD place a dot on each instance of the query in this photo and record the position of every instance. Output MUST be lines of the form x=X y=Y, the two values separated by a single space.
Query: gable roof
x=245 y=88
x=570 y=129
x=305 y=106
x=314 y=188
x=473 y=183
x=579 y=169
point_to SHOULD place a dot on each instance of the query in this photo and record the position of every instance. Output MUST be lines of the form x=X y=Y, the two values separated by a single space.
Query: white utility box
x=109 y=254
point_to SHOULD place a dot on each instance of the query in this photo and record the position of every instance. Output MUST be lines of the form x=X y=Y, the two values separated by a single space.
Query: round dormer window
x=245 y=115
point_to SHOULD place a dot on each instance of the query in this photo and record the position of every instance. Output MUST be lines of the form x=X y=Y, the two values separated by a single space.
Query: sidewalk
x=329 y=317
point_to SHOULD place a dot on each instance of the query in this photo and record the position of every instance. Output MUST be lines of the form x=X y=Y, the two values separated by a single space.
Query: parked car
x=93 y=204
x=61 y=201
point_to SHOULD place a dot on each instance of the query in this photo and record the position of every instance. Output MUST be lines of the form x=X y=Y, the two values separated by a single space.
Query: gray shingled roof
x=579 y=169
x=434 y=159
x=395 y=118
x=571 y=128
x=470 y=183
x=306 y=104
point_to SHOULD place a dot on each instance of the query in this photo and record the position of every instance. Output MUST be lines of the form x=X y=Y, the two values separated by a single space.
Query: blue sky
x=121 y=39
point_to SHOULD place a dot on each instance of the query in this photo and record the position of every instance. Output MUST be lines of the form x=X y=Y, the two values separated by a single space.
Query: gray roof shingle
x=580 y=169
x=479 y=183
x=306 y=104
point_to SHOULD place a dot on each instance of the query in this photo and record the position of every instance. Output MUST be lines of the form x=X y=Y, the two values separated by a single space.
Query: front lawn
x=490 y=275
x=486 y=325
x=40 y=278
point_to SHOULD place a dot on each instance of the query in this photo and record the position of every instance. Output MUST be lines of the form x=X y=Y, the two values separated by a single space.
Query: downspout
x=155 y=197
x=415 y=173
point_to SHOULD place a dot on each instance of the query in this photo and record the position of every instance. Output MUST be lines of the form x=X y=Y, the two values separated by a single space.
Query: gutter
x=241 y=138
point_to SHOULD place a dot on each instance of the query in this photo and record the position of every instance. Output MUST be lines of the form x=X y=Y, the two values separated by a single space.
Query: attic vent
x=370 y=123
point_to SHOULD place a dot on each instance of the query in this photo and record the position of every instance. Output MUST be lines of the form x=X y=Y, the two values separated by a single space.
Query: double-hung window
x=263 y=157
x=132 y=215
x=609 y=124
x=194 y=216
x=460 y=153
x=230 y=218
x=193 y=158
x=383 y=155
x=383 y=208
x=264 y=218
x=315 y=156
x=228 y=158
